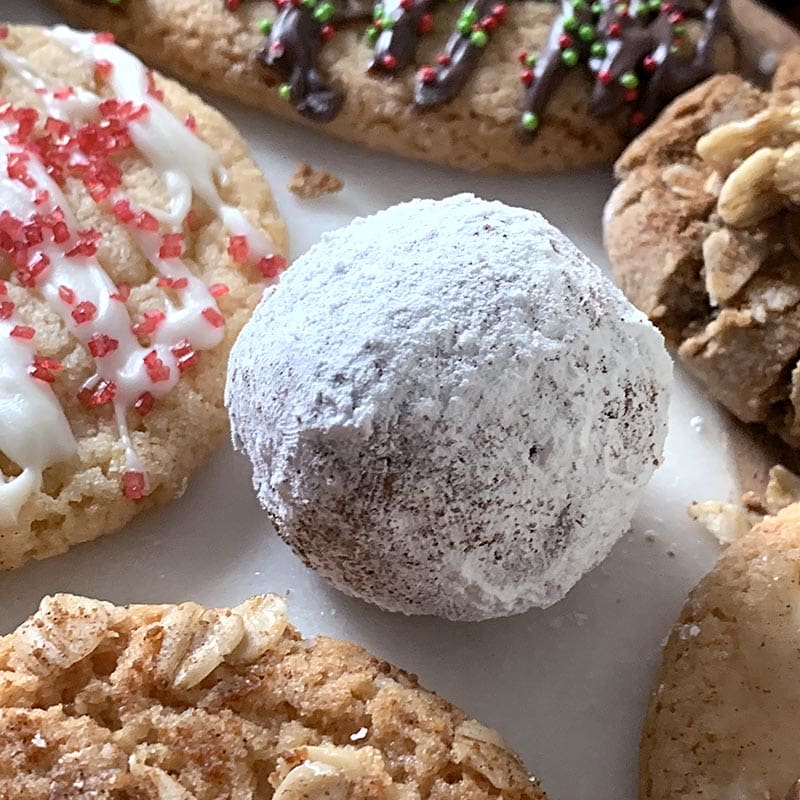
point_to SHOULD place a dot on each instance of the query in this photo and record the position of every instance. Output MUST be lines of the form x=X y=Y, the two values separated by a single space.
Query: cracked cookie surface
x=702 y=232
x=182 y=702
x=722 y=716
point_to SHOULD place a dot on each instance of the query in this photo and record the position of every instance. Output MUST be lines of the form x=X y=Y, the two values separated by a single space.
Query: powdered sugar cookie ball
x=448 y=408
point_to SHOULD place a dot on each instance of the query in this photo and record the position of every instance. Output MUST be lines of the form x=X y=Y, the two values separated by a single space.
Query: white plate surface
x=567 y=687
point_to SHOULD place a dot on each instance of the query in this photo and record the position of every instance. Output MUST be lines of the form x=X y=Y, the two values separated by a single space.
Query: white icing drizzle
x=33 y=430
x=184 y=160
x=23 y=400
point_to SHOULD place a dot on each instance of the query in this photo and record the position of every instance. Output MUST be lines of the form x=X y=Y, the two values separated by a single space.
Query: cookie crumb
x=726 y=521
x=308 y=183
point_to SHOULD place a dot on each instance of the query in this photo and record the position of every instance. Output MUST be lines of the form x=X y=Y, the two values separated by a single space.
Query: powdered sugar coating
x=449 y=409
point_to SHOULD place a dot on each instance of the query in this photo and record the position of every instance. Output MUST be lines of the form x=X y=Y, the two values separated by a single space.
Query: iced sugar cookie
x=465 y=425
x=722 y=720
x=190 y=703
x=136 y=235
x=480 y=84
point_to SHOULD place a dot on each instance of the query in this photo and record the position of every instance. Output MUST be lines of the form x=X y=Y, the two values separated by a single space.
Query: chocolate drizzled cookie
x=638 y=51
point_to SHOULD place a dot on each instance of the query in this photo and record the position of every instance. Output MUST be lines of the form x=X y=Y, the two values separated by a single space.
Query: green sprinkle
x=309 y=3
x=531 y=59
x=578 y=5
x=265 y=26
x=675 y=50
x=679 y=30
x=642 y=10
x=387 y=22
x=285 y=91
x=530 y=121
x=464 y=27
x=378 y=12
x=655 y=5
x=570 y=56
x=570 y=23
x=372 y=34
x=621 y=9
x=629 y=80
x=469 y=15
x=479 y=38
x=324 y=11
x=586 y=32
x=597 y=8
x=598 y=49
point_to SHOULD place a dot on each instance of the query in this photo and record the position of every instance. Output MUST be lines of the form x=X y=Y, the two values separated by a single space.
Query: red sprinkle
x=271 y=266
x=102 y=69
x=171 y=245
x=3 y=31
x=133 y=483
x=605 y=77
x=84 y=312
x=649 y=63
x=66 y=294
x=526 y=76
x=101 y=345
x=43 y=368
x=22 y=332
x=150 y=321
x=145 y=221
x=191 y=123
x=185 y=355
x=443 y=60
x=192 y=221
x=327 y=32
x=6 y=309
x=157 y=370
x=637 y=119
x=425 y=24
x=389 y=61
x=239 y=249
x=123 y=292
x=104 y=37
x=152 y=89
x=123 y=211
x=500 y=12
x=564 y=41
x=427 y=74
x=218 y=289
x=144 y=404
x=213 y=317
x=614 y=29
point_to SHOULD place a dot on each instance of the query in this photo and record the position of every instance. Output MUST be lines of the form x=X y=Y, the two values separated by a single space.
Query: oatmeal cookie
x=190 y=703
x=704 y=236
x=136 y=235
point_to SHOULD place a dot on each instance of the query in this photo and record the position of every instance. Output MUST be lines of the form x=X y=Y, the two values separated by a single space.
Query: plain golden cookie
x=181 y=702
x=722 y=721
x=115 y=323
x=702 y=233
x=449 y=87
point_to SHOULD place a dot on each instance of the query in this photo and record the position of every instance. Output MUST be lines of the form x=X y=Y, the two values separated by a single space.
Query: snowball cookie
x=449 y=409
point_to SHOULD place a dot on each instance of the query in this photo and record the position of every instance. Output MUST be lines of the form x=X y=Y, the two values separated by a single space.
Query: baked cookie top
x=482 y=84
x=136 y=235
x=722 y=721
x=702 y=233
x=189 y=703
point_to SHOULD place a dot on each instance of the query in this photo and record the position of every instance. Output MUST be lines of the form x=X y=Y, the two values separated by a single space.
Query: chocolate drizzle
x=291 y=51
x=397 y=26
x=637 y=51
